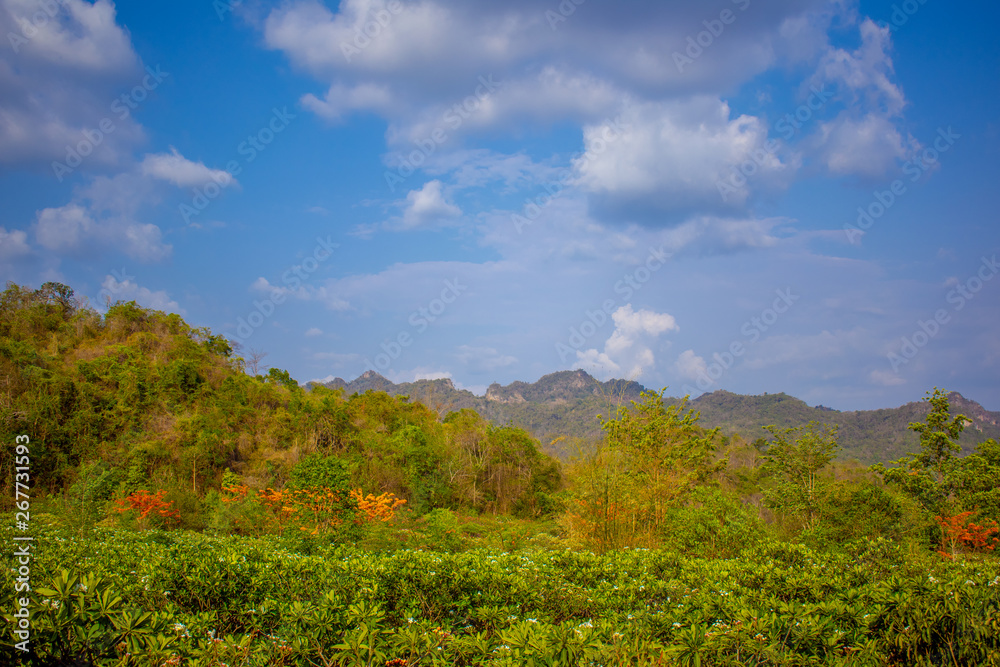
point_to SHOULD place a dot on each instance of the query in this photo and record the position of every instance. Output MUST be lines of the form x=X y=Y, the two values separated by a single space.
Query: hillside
x=566 y=405
x=138 y=399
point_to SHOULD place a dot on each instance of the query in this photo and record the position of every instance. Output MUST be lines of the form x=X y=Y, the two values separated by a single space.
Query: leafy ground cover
x=119 y=597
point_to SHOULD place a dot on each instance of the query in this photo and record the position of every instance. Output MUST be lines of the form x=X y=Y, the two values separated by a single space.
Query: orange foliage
x=314 y=509
x=145 y=504
x=378 y=508
x=959 y=531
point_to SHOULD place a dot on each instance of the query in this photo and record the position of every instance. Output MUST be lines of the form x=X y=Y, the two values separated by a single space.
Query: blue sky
x=750 y=195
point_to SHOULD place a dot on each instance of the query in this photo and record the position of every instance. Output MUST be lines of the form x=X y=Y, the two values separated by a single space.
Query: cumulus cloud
x=671 y=158
x=628 y=349
x=866 y=72
x=447 y=69
x=341 y=100
x=105 y=214
x=177 y=169
x=74 y=230
x=60 y=77
x=430 y=54
x=13 y=244
x=866 y=138
x=126 y=289
x=427 y=207
x=868 y=146
x=690 y=366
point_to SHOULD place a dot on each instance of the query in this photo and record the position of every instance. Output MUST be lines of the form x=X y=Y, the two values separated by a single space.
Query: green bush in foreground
x=120 y=598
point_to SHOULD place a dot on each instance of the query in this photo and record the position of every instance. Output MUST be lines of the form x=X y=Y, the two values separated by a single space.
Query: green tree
x=928 y=476
x=939 y=434
x=795 y=459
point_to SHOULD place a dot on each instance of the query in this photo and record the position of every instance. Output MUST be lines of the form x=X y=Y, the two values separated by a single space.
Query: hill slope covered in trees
x=137 y=399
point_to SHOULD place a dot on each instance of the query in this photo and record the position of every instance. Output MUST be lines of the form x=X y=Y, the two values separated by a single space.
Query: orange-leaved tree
x=377 y=508
x=959 y=531
x=312 y=510
x=147 y=506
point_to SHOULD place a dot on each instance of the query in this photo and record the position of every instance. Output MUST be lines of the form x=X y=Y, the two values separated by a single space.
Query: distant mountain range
x=561 y=410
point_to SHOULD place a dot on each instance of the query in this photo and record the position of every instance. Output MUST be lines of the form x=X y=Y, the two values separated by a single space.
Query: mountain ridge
x=563 y=407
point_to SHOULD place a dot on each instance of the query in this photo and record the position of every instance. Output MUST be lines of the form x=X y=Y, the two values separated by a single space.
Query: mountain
x=561 y=410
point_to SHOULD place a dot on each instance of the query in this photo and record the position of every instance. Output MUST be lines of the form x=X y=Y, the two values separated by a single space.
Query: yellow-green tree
x=651 y=459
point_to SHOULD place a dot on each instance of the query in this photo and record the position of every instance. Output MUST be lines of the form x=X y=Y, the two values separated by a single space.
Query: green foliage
x=795 y=457
x=319 y=471
x=186 y=598
x=281 y=377
x=975 y=480
x=935 y=477
x=652 y=459
x=444 y=530
x=938 y=434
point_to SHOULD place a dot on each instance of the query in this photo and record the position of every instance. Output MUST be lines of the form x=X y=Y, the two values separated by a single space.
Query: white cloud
x=177 y=169
x=672 y=157
x=866 y=71
x=431 y=375
x=13 y=244
x=62 y=82
x=81 y=35
x=104 y=216
x=128 y=290
x=869 y=146
x=72 y=230
x=341 y=100
x=430 y=55
x=427 y=207
x=628 y=348
x=690 y=366
x=313 y=331
x=105 y=213
x=865 y=139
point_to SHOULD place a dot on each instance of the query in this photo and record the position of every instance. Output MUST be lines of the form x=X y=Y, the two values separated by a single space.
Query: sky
x=749 y=195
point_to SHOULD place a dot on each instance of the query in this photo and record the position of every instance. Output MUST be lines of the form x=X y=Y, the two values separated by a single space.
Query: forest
x=185 y=509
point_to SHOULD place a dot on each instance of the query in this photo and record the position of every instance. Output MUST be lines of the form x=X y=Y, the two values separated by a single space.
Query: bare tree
x=254 y=360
